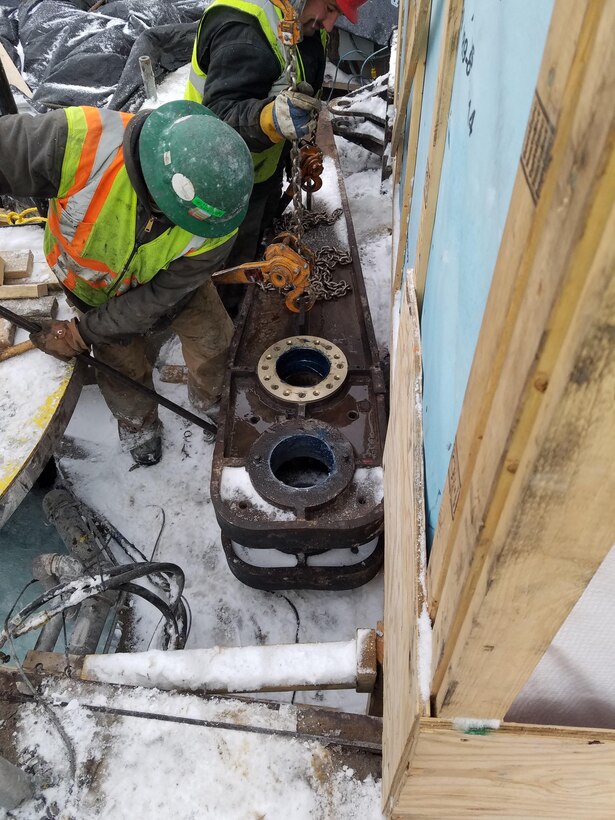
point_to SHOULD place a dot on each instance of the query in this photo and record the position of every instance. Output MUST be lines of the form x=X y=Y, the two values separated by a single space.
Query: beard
x=311 y=27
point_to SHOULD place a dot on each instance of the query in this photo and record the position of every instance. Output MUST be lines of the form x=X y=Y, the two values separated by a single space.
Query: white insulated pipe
x=223 y=669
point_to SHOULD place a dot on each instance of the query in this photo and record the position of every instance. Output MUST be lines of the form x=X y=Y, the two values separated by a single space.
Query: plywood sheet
x=406 y=690
x=513 y=772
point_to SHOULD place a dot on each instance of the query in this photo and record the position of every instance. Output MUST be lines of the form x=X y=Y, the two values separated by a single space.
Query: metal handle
x=149 y=82
x=32 y=327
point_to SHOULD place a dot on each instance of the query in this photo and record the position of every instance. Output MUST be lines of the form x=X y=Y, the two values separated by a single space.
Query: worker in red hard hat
x=238 y=70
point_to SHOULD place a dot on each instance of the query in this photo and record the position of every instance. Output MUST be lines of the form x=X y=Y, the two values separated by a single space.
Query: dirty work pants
x=204 y=330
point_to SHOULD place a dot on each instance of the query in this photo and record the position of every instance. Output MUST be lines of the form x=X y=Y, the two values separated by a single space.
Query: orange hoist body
x=289 y=27
x=287 y=264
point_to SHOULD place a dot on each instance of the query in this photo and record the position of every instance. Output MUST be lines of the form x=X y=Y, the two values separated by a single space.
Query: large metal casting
x=297 y=467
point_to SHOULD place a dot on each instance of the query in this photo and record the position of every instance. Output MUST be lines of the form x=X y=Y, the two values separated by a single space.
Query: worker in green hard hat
x=143 y=209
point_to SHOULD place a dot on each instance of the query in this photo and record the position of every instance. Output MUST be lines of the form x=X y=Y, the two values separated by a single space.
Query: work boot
x=148 y=453
x=145 y=445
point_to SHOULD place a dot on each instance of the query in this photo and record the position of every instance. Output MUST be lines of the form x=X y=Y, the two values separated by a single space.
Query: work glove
x=60 y=339
x=291 y=115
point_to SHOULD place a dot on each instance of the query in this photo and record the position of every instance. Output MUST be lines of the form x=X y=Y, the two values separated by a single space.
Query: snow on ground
x=153 y=768
x=168 y=505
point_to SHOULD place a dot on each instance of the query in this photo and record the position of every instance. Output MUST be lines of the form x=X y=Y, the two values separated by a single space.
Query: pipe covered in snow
x=221 y=669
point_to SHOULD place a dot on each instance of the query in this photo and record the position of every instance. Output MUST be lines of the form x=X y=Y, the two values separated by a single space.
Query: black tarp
x=74 y=56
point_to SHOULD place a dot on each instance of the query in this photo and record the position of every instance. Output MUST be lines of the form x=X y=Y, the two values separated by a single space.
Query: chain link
x=322 y=285
x=311 y=220
x=299 y=220
x=295 y=158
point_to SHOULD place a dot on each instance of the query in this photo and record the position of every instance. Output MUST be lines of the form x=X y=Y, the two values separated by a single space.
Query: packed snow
x=163 y=755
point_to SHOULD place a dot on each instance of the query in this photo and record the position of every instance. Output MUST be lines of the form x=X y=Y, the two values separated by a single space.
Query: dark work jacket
x=241 y=69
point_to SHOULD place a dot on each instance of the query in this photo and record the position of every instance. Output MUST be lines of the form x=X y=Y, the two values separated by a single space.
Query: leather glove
x=291 y=115
x=60 y=339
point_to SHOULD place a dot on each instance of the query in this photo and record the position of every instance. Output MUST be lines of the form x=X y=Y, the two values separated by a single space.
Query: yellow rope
x=15 y=218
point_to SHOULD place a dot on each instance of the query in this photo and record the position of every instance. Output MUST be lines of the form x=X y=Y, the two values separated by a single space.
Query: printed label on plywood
x=536 y=153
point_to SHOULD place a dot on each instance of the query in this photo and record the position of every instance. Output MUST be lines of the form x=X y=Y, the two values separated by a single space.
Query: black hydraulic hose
x=110 y=579
x=162 y=607
x=32 y=327
x=121 y=581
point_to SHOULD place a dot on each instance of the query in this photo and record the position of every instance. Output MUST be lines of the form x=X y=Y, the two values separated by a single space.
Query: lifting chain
x=321 y=284
x=295 y=153
x=311 y=219
x=299 y=220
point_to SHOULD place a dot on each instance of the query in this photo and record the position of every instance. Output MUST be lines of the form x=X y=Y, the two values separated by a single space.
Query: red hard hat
x=350 y=8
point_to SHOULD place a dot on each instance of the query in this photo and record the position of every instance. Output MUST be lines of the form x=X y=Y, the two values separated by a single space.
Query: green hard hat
x=197 y=168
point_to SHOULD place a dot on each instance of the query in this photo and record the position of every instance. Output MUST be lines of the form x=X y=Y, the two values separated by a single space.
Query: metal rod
x=32 y=327
x=149 y=82
x=326 y=740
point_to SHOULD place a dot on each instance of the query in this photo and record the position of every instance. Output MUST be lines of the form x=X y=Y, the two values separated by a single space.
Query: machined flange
x=302 y=369
x=301 y=464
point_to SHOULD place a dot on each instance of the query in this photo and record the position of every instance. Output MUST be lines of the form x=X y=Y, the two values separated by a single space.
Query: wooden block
x=452 y=16
x=15 y=350
x=375 y=703
x=512 y=504
x=46 y=307
x=7 y=334
x=23 y=291
x=406 y=696
x=366 y=659
x=17 y=264
x=1 y=271
x=12 y=73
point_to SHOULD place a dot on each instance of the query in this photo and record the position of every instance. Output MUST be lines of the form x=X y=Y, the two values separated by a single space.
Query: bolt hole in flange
x=302 y=369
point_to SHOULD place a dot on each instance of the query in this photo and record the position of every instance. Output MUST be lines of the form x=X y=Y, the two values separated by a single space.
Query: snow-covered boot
x=145 y=445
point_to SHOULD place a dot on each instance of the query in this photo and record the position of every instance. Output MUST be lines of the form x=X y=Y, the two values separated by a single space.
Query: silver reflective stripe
x=272 y=18
x=194 y=244
x=66 y=263
x=197 y=81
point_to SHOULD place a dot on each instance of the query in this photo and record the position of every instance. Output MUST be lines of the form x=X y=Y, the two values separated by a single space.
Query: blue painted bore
x=302 y=461
x=303 y=367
